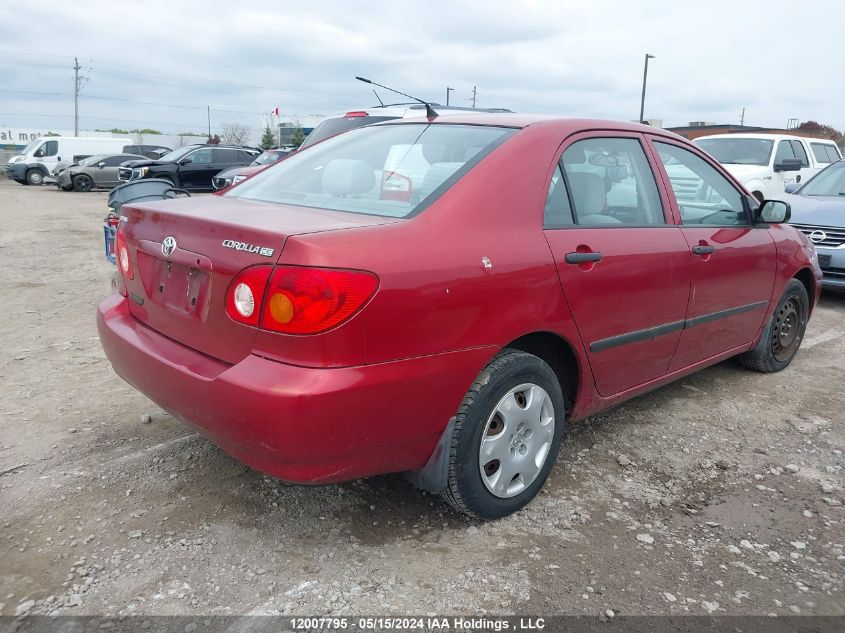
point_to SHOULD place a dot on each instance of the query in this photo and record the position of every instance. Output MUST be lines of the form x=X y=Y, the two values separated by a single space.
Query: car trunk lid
x=186 y=252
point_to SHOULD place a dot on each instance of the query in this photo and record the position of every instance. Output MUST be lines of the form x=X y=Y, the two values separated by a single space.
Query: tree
x=822 y=131
x=298 y=136
x=235 y=133
x=267 y=139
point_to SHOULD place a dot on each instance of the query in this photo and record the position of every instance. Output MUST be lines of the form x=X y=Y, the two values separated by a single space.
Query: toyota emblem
x=818 y=236
x=168 y=246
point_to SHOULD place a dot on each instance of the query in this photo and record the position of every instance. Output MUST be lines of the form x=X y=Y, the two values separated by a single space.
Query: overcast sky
x=777 y=59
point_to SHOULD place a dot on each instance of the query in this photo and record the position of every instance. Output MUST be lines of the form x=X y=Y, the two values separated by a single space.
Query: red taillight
x=312 y=300
x=356 y=113
x=243 y=299
x=121 y=253
x=298 y=299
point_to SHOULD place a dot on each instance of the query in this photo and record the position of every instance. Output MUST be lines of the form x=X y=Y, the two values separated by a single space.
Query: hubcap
x=788 y=330
x=516 y=440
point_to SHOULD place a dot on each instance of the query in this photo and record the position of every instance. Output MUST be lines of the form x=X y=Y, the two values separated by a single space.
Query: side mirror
x=101 y=164
x=789 y=164
x=187 y=160
x=774 y=212
x=792 y=187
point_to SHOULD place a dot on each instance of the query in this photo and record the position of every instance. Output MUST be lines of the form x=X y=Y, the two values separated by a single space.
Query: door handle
x=582 y=258
x=703 y=250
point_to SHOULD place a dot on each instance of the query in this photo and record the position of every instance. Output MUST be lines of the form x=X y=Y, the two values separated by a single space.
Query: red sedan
x=442 y=296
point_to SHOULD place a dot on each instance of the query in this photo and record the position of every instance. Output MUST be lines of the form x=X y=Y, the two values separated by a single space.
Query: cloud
x=578 y=58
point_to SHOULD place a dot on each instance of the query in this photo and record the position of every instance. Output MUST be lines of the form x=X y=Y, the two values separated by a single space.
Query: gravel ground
x=721 y=494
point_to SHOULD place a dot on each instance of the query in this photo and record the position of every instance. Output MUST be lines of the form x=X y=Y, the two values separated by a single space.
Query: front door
x=197 y=173
x=623 y=264
x=732 y=261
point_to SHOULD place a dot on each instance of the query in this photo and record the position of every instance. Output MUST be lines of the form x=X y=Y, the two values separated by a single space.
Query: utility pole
x=448 y=90
x=76 y=86
x=209 y=122
x=645 y=76
x=742 y=117
x=473 y=95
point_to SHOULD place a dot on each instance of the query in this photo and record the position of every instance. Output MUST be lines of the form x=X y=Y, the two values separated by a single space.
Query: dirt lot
x=719 y=494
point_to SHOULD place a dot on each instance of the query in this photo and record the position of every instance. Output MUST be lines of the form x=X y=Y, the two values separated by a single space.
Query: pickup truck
x=766 y=163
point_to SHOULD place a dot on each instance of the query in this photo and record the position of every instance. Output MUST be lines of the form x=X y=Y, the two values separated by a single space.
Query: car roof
x=566 y=125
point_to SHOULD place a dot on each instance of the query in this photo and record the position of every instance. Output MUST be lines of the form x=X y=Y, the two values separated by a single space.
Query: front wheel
x=507 y=435
x=784 y=332
x=83 y=183
x=34 y=177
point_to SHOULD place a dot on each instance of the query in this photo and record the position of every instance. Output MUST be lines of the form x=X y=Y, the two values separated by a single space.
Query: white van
x=47 y=154
x=766 y=163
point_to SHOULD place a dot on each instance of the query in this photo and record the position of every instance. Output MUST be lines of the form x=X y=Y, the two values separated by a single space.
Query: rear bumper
x=305 y=425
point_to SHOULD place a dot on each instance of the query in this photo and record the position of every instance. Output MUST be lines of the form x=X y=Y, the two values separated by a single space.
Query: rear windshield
x=737 y=151
x=333 y=127
x=386 y=170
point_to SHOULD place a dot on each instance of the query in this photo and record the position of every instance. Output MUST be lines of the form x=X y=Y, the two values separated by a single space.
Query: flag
x=275 y=111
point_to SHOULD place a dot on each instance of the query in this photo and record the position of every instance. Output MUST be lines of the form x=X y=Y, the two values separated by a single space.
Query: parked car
x=45 y=155
x=94 y=172
x=191 y=167
x=335 y=124
x=234 y=175
x=765 y=163
x=443 y=296
x=147 y=151
x=818 y=210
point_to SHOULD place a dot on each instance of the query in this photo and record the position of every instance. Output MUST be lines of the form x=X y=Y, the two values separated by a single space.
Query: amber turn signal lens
x=281 y=308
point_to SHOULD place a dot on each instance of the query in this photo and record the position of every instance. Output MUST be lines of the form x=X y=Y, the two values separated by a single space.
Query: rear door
x=622 y=262
x=732 y=261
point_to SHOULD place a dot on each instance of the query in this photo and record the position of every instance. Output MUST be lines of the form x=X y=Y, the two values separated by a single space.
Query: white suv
x=766 y=163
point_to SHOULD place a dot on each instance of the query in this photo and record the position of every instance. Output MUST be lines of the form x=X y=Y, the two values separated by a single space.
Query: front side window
x=49 y=148
x=798 y=150
x=201 y=157
x=387 y=170
x=784 y=151
x=610 y=182
x=704 y=196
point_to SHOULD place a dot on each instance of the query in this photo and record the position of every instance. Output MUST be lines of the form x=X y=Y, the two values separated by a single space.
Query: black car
x=191 y=167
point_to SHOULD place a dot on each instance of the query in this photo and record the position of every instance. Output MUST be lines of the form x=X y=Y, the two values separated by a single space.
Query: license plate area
x=824 y=261
x=176 y=287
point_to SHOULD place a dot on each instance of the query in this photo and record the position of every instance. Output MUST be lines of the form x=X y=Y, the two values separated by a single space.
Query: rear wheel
x=83 y=182
x=34 y=177
x=507 y=435
x=783 y=334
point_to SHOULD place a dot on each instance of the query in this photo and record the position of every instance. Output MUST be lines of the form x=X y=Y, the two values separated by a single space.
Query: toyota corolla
x=443 y=296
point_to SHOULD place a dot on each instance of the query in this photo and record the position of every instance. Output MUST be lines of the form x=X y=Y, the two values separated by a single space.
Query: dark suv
x=191 y=167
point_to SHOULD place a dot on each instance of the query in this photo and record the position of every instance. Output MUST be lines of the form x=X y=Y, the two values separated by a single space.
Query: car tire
x=83 y=182
x=783 y=334
x=507 y=435
x=34 y=177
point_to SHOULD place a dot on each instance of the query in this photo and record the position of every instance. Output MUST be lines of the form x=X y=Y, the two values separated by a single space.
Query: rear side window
x=557 y=212
x=824 y=153
x=338 y=125
x=611 y=183
x=386 y=170
x=798 y=150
